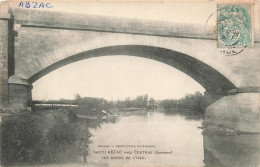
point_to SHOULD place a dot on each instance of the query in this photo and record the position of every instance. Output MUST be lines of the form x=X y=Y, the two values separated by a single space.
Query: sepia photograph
x=129 y=83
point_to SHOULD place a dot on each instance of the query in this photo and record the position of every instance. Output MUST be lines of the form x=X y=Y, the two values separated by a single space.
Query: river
x=162 y=132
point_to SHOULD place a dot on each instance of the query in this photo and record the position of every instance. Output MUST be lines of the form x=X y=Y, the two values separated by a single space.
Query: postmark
x=234 y=26
x=231 y=51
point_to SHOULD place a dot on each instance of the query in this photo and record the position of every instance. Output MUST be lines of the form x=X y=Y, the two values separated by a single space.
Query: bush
x=21 y=140
x=61 y=141
x=31 y=139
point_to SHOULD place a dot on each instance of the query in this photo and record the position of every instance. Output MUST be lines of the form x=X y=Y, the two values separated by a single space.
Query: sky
x=113 y=78
x=118 y=77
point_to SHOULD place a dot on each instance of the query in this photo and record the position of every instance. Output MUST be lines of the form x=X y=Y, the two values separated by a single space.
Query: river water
x=147 y=139
x=175 y=135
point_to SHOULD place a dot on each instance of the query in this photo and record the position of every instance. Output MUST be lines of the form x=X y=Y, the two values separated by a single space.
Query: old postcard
x=130 y=83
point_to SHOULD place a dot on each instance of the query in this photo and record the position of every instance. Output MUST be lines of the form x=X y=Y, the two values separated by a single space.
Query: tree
x=77 y=98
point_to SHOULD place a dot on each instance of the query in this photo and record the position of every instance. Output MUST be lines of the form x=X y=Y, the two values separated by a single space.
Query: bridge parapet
x=71 y=21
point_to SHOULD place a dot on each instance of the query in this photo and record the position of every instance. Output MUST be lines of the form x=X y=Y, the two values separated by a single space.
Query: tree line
x=194 y=101
x=138 y=102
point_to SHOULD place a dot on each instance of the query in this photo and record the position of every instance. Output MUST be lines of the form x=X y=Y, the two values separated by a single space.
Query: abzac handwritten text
x=28 y=4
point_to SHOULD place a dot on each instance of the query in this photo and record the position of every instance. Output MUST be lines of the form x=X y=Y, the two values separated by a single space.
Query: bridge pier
x=19 y=94
x=5 y=51
x=234 y=113
x=239 y=150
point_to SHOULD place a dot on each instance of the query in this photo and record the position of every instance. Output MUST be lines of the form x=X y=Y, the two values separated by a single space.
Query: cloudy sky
x=118 y=77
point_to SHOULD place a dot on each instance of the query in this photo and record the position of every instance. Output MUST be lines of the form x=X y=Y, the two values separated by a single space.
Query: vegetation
x=21 y=139
x=190 y=101
x=94 y=106
x=138 y=102
x=91 y=106
x=31 y=139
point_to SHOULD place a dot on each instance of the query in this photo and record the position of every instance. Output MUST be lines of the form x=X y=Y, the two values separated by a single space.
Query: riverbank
x=210 y=129
x=92 y=113
x=43 y=137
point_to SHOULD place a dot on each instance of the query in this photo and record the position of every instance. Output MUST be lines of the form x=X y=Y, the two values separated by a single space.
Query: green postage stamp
x=235 y=25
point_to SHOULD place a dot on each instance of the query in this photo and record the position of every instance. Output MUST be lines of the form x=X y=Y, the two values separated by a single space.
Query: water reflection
x=166 y=132
x=225 y=151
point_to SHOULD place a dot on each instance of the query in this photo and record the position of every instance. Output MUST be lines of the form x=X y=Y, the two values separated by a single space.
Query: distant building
x=151 y=104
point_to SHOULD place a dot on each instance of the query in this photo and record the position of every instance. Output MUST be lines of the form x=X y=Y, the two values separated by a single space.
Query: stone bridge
x=34 y=43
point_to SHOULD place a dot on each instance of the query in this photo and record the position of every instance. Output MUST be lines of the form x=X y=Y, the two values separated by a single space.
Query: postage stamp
x=234 y=25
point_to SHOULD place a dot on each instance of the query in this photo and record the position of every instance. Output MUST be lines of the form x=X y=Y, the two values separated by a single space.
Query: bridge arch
x=59 y=39
x=205 y=75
